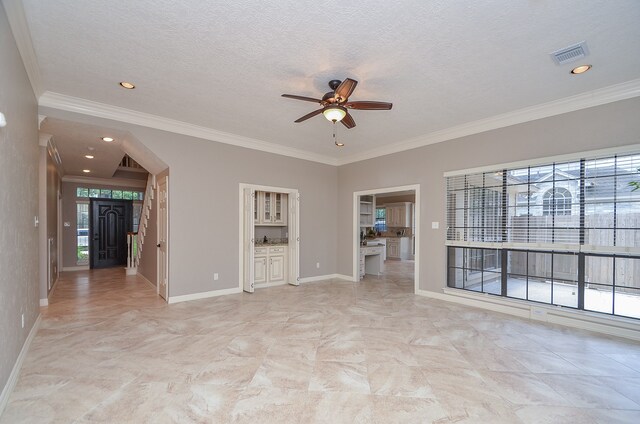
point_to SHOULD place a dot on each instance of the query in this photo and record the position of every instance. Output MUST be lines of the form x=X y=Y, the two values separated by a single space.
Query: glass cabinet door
x=256 y=210
x=277 y=211
x=268 y=198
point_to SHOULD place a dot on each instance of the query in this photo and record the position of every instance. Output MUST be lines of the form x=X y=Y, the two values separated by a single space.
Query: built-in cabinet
x=367 y=211
x=270 y=264
x=399 y=248
x=399 y=214
x=270 y=209
x=371 y=260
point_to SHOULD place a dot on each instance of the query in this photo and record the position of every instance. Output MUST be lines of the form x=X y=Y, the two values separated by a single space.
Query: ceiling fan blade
x=366 y=105
x=348 y=121
x=306 y=99
x=309 y=115
x=345 y=89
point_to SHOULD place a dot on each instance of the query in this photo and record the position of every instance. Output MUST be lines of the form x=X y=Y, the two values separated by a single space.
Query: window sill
x=592 y=321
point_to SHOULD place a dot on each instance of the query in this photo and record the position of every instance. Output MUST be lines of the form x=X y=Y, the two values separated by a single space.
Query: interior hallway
x=109 y=350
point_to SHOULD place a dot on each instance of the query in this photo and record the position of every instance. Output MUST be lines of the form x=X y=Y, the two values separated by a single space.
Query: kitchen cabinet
x=367 y=211
x=399 y=247
x=270 y=265
x=270 y=209
x=399 y=214
x=371 y=260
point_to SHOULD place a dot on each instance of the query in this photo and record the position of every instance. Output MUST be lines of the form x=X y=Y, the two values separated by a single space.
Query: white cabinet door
x=279 y=206
x=260 y=270
x=393 y=249
x=248 y=231
x=276 y=268
x=270 y=209
x=267 y=206
x=257 y=207
x=393 y=216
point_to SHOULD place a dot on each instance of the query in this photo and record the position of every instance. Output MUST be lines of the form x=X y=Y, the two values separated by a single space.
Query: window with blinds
x=586 y=205
x=565 y=233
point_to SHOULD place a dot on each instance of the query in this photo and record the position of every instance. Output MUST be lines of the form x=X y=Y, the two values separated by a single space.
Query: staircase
x=135 y=241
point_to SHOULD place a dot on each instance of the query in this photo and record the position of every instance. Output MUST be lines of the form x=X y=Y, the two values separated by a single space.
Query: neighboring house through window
x=556 y=201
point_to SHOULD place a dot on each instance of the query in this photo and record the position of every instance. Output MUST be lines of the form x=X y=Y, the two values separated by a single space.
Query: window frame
x=565 y=237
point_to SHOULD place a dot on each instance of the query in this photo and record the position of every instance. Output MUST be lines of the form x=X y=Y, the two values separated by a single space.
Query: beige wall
x=19 y=291
x=614 y=124
x=69 y=214
x=204 y=214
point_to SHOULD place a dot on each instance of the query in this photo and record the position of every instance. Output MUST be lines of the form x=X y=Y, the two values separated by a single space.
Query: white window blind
x=579 y=205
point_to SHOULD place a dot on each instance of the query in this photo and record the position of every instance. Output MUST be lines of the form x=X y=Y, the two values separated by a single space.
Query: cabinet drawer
x=260 y=251
x=276 y=249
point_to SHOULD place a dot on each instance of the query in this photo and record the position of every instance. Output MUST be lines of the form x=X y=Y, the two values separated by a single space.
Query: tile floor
x=109 y=351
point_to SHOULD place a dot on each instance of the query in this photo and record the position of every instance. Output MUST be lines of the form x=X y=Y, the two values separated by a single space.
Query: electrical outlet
x=318 y=265
x=22 y=320
x=215 y=276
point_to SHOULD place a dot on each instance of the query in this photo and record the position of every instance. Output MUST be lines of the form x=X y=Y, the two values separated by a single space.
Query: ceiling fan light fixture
x=334 y=113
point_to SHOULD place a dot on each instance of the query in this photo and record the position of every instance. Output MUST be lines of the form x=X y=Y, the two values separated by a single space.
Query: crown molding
x=586 y=100
x=102 y=110
x=22 y=35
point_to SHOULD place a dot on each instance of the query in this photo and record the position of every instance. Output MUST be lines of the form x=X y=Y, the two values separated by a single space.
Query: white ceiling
x=74 y=141
x=223 y=65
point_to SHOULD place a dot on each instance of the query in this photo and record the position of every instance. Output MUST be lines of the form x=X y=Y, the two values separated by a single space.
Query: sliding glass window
x=565 y=233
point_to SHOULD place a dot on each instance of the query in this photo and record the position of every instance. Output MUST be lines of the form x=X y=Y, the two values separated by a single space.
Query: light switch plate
x=435 y=225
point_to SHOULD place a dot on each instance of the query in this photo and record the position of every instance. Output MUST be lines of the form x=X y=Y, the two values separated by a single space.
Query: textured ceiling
x=223 y=65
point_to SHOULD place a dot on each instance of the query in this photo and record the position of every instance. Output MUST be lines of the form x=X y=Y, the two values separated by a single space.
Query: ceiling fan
x=335 y=103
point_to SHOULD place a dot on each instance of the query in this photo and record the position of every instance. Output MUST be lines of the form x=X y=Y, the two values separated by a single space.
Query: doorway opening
x=269 y=237
x=386 y=234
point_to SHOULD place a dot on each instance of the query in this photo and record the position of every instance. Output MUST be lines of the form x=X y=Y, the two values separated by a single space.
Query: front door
x=110 y=221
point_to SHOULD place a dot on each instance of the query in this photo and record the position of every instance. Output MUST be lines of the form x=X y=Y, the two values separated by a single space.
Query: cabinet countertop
x=269 y=244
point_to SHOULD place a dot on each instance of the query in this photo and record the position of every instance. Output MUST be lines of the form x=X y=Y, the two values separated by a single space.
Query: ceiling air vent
x=570 y=54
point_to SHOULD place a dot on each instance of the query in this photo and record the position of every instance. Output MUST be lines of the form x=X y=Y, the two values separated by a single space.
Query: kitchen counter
x=271 y=243
x=372 y=260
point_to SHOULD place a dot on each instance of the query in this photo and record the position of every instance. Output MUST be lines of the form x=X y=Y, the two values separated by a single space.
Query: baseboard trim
x=613 y=326
x=15 y=372
x=45 y=302
x=146 y=280
x=203 y=295
x=75 y=268
x=326 y=277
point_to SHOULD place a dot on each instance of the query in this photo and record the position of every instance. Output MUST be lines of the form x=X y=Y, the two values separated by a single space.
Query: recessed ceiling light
x=127 y=85
x=86 y=171
x=339 y=144
x=580 y=69
x=88 y=156
x=107 y=139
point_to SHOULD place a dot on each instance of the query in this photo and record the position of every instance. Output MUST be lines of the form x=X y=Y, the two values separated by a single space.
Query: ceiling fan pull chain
x=335 y=139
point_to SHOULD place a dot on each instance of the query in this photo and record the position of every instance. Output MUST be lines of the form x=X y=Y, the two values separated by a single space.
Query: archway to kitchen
x=402 y=227
x=269 y=236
